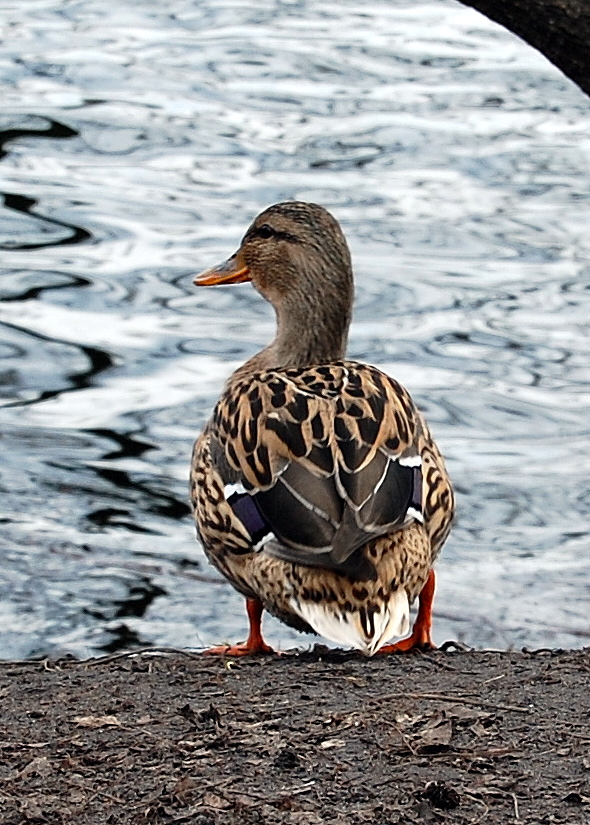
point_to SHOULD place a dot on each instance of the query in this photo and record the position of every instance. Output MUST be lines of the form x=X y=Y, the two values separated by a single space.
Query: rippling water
x=138 y=141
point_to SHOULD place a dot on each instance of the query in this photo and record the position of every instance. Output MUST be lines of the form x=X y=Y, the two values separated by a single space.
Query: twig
x=493 y=752
x=107 y=796
x=481 y=802
x=286 y=793
x=139 y=651
x=462 y=700
x=494 y=679
x=405 y=739
x=57 y=663
x=515 y=800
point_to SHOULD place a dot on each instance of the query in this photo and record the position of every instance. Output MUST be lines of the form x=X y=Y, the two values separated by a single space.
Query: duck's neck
x=308 y=333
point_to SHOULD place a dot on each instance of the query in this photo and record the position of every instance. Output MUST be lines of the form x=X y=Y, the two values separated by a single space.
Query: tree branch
x=559 y=29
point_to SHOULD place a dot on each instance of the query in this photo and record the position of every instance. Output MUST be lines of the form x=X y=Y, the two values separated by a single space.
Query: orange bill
x=232 y=271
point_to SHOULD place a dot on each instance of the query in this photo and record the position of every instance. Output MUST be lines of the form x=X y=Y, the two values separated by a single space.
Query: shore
x=301 y=739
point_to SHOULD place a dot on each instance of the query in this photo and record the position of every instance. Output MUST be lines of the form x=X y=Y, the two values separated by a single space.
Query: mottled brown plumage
x=317 y=488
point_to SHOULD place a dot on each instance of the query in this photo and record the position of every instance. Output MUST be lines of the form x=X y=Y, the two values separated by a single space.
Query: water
x=138 y=142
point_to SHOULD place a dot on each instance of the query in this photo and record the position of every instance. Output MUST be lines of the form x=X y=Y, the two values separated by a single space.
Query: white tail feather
x=392 y=620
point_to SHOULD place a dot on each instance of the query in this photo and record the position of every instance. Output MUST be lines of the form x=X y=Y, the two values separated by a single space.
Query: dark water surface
x=137 y=142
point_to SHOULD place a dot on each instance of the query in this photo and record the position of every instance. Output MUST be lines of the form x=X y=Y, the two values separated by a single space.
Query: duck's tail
x=366 y=627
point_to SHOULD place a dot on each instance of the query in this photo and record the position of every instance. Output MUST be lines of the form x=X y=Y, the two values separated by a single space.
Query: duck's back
x=311 y=465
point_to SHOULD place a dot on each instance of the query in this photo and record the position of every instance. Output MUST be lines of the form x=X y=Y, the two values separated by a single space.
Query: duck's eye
x=265 y=231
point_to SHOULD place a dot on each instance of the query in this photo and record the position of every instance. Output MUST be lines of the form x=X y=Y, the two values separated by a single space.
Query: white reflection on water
x=456 y=159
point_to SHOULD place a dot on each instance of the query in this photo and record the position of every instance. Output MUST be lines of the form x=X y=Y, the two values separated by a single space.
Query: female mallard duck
x=317 y=488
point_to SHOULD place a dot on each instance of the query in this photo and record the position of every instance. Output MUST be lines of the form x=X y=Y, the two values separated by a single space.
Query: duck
x=316 y=486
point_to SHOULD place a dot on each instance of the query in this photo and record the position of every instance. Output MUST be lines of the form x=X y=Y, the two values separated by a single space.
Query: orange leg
x=254 y=643
x=420 y=638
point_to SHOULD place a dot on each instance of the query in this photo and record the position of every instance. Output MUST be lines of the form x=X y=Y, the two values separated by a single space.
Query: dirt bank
x=303 y=739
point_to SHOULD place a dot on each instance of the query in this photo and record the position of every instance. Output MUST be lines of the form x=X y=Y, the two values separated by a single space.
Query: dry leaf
x=306 y=818
x=436 y=734
x=332 y=743
x=39 y=766
x=211 y=800
x=479 y=730
x=96 y=721
x=466 y=713
x=184 y=788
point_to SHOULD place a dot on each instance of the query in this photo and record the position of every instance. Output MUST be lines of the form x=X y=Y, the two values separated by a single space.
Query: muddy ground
x=300 y=739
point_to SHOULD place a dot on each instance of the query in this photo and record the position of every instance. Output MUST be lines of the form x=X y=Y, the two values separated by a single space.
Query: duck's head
x=297 y=257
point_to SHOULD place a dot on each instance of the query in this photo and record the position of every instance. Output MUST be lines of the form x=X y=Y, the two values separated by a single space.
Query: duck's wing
x=317 y=461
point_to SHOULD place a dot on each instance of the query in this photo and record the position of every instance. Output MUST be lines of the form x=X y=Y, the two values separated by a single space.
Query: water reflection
x=136 y=144
x=24 y=205
x=52 y=130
